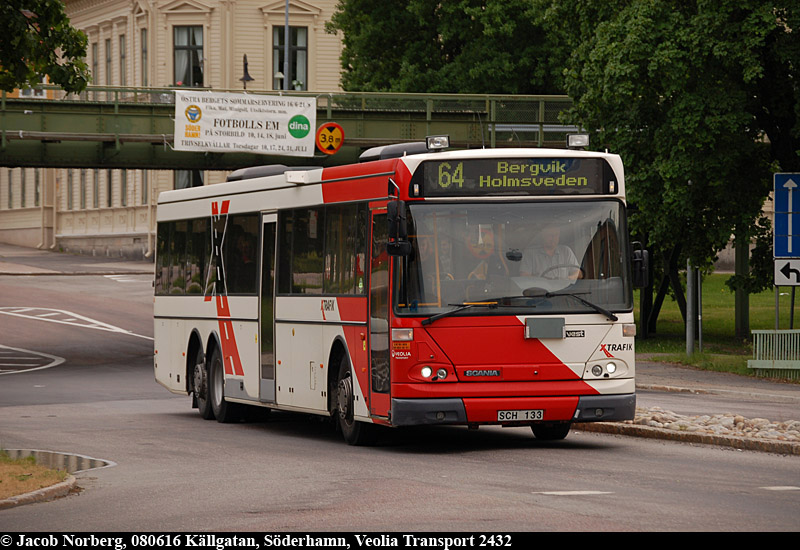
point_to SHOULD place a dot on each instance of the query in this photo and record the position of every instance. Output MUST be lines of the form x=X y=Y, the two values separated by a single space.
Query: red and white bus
x=435 y=287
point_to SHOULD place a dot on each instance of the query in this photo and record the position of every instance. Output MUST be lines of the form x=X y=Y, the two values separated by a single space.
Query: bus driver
x=550 y=259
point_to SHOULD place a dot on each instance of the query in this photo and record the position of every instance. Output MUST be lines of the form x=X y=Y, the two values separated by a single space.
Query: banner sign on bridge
x=245 y=123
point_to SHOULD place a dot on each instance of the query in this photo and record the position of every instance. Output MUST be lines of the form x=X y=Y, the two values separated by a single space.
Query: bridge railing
x=493 y=120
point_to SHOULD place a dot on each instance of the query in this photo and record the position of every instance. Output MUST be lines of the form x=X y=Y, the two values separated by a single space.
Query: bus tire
x=224 y=411
x=353 y=431
x=551 y=431
x=200 y=387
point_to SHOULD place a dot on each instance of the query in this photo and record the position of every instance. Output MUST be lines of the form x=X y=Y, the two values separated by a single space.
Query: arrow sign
x=786 y=243
x=787 y=272
x=790 y=185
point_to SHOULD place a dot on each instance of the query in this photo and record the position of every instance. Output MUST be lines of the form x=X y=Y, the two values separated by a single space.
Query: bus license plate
x=530 y=414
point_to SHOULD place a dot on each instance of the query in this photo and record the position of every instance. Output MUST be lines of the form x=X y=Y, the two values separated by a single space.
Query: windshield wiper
x=530 y=293
x=461 y=307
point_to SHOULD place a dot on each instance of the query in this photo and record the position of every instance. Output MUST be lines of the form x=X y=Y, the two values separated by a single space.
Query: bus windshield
x=522 y=258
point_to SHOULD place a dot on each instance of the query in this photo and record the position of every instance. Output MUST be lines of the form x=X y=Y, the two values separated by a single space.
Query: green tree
x=36 y=39
x=459 y=46
x=700 y=98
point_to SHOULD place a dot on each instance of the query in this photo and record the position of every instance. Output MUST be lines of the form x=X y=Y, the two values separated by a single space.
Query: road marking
x=782 y=488
x=126 y=279
x=52 y=360
x=66 y=318
x=572 y=493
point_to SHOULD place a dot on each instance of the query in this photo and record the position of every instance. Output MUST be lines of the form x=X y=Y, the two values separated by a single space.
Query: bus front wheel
x=551 y=431
x=354 y=432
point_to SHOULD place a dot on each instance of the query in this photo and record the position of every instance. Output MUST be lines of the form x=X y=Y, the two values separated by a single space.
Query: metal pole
x=776 y=307
x=689 y=308
x=286 y=49
x=791 y=310
x=699 y=312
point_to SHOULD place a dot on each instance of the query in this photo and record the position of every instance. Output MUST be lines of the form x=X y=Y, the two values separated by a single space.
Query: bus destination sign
x=514 y=176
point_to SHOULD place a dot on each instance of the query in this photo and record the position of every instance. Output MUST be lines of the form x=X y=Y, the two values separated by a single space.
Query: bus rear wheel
x=551 y=431
x=224 y=411
x=200 y=386
x=354 y=432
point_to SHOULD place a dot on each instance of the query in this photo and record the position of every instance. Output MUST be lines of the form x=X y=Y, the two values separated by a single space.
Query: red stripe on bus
x=230 y=351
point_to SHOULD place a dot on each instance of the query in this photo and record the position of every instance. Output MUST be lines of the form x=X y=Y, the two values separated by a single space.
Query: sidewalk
x=20 y=261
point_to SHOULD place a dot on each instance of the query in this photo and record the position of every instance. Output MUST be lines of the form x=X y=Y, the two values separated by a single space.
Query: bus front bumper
x=477 y=410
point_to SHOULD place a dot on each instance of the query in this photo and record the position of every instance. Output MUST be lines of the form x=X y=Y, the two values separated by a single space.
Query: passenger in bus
x=244 y=276
x=549 y=259
x=481 y=245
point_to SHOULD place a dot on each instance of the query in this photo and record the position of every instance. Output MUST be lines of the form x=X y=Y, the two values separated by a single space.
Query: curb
x=734 y=442
x=41 y=495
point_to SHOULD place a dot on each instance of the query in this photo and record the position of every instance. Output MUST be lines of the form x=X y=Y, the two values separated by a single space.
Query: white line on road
x=782 y=488
x=69 y=318
x=54 y=360
x=572 y=493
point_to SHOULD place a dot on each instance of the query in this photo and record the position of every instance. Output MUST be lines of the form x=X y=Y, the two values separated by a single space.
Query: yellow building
x=161 y=43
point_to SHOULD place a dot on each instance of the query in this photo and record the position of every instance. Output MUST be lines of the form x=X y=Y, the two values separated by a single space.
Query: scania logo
x=481 y=373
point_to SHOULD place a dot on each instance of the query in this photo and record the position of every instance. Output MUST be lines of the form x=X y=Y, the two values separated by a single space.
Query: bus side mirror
x=398 y=244
x=640 y=266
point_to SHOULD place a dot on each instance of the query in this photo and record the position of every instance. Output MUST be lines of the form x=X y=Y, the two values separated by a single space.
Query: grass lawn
x=19 y=476
x=722 y=350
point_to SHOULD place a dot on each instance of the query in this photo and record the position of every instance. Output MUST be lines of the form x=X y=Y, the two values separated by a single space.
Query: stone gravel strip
x=725 y=430
x=40 y=495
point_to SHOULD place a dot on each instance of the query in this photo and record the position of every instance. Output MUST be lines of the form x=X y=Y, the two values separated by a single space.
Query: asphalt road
x=174 y=471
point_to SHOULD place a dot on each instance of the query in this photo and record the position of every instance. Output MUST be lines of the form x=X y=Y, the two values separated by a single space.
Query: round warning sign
x=330 y=137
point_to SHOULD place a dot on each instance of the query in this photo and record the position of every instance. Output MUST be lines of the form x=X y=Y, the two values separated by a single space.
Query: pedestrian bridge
x=115 y=127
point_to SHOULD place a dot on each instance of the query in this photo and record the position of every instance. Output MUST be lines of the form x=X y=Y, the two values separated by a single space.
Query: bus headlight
x=426 y=371
x=441 y=374
x=606 y=369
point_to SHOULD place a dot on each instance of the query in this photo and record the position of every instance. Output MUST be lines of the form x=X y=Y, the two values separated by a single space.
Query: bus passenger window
x=307 y=251
x=196 y=256
x=240 y=246
x=162 y=259
x=177 y=257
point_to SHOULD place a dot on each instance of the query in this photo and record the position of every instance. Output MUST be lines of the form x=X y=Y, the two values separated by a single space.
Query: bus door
x=379 y=401
x=267 y=308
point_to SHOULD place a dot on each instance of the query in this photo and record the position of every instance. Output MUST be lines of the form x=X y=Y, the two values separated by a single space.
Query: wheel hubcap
x=345 y=395
x=200 y=380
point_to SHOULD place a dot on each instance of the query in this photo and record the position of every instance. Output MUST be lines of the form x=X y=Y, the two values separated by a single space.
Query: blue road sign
x=786 y=243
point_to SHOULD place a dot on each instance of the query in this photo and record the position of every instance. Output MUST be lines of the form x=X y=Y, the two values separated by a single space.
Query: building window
x=10 y=189
x=298 y=58
x=122 y=69
x=96 y=189
x=144 y=187
x=123 y=194
x=36 y=92
x=83 y=188
x=22 y=189
x=69 y=189
x=37 y=186
x=108 y=61
x=95 y=64
x=109 y=188
x=144 y=56
x=188 y=44
x=188 y=178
